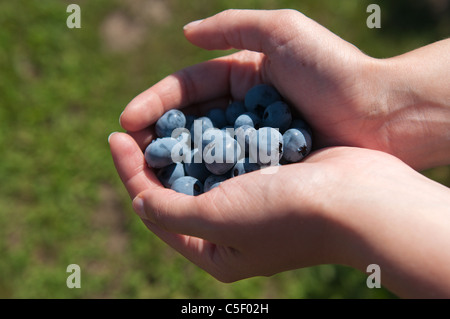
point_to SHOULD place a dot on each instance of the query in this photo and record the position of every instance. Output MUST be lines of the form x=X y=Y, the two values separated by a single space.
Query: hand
x=348 y=97
x=341 y=205
x=343 y=200
x=323 y=76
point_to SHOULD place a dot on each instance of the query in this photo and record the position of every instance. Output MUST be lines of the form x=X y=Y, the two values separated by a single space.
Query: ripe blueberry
x=159 y=153
x=297 y=144
x=170 y=120
x=259 y=97
x=277 y=115
x=188 y=185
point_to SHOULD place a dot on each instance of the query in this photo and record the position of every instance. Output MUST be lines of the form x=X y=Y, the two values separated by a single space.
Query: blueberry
x=211 y=135
x=198 y=127
x=217 y=117
x=189 y=120
x=243 y=166
x=248 y=118
x=233 y=110
x=277 y=115
x=228 y=129
x=242 y=136
x=170 y=120
x=159 y=153
x=167 y=175
x=182 y=135
x=259 y=97
x=297 y=145
x=221 y=155
x=183 y=146
x=266 y=146
x=213 y=181
x=301 y=124
x=188 y=185
x=195 y=166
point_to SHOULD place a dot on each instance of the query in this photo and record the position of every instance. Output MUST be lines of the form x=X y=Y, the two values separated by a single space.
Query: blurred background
x=61 y=93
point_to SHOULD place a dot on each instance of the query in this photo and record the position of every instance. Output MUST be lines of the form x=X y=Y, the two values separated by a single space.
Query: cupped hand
x=325 y=78
x=342 y=205
x=265 y=222
x=250 y=225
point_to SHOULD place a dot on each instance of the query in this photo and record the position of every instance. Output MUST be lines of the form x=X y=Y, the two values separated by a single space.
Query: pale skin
x=357 y=200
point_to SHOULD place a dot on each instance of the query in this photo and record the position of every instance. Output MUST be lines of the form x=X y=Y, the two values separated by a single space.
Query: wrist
x=414 y=90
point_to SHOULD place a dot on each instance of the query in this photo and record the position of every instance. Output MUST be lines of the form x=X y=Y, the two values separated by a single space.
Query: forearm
x=418 y=103
x=404 y=228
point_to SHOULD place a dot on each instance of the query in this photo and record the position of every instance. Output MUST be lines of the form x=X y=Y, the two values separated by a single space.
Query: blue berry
x=218 y=117
x=167 y=175
x=301 y=124
x=189 y=120
x=159 y=153
x=170 y=120
x=198 y=127
x=213 y=181
x=188 y=185
x=195 y=166
x=182 y=135
x=277 y=115
x=248 y=118
x=297 y=145
x=259 y=97
x=244 y=166
x=242 y=136
x=221 y=155
x=233 y=110
x=228 y=130
x=210 y=135
x=266 y=146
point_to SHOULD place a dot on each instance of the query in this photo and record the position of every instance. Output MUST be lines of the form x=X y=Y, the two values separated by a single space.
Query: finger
x=192 y=85
x=197 y=84
x=255 y=30
x=143 y=137
x=178 y=213
x=130 y=164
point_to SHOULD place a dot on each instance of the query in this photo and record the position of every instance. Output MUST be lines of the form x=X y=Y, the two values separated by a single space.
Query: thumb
x=177 y=213
x=254 y=30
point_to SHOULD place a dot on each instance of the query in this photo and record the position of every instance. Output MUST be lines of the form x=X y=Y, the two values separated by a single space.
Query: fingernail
x=109 y=137
x=138 y=206
x=120 y=118
x=192 y=24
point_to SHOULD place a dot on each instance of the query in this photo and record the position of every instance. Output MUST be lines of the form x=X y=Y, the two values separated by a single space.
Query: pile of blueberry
x=192 y=155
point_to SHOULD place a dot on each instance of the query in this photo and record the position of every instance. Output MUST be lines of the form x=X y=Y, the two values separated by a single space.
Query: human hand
x=340 y=205
x=349 y=99
x=346 y=96
x=319 y=73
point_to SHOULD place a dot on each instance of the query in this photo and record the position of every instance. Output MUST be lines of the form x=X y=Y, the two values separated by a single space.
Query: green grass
x=61 y=202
